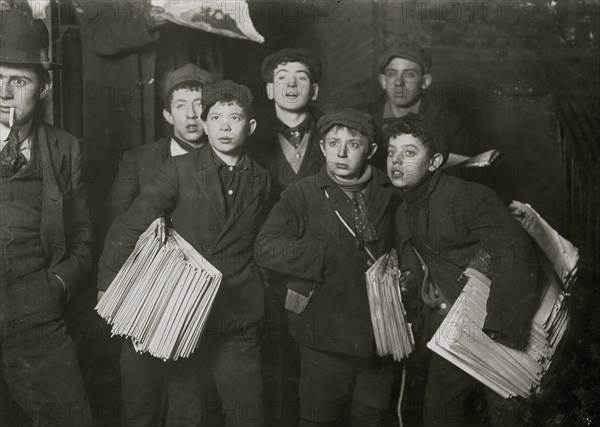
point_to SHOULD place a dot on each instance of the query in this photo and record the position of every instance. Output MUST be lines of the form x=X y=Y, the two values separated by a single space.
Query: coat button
x=443 y=306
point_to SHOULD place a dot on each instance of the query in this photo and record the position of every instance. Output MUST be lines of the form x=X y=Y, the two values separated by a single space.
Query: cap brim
x=46 y=65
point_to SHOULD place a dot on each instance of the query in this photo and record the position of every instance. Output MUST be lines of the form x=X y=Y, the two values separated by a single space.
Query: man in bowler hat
x=45 y=234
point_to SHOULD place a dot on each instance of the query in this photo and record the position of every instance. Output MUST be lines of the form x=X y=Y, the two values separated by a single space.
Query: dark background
x=523 y=76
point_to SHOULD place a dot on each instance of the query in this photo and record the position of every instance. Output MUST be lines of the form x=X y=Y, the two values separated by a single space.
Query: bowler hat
x=24 y=40
x=350 y=118
x=215 y=92
x=411 y=51
x=186 y=73
x=289 y=54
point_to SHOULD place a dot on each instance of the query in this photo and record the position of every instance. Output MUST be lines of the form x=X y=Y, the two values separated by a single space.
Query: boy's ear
x=426 y=81
x=270 y=91
x=436 y=162
x=45 y=89
x=382 y=81
x=372 y=150
x=168 y=117
x=314 y=89
x=251 y=126
x=322 y=145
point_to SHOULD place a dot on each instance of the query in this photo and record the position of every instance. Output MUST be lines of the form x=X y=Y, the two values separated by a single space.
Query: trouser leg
x=325 y=381
x=142 y=379
x=238 y=378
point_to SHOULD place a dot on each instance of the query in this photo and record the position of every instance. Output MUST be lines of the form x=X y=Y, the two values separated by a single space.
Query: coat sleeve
x=157 y=199
x=125 y=189
x=77 y=261
x=513 y=290
x=286 y=244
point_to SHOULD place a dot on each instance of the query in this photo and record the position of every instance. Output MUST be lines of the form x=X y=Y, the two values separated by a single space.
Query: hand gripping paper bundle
x=510 y=372
x=162 y=295
x=393 y=334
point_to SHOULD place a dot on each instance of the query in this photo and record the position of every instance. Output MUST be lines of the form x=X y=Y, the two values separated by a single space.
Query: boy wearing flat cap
x=45 y=234
x=287 y=142
x=145 y=379
x=216 y=198
x=287 y=145
x=445 y=225
x=181 y=93
x=404 y=76
x=323 y=231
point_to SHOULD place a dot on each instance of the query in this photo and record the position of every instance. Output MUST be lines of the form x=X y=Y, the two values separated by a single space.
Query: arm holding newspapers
x=514 y=269
x=157 y=199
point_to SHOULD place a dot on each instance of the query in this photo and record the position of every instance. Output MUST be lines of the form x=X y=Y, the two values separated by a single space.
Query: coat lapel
x=379 y=198
x=208 y=180
x=313 y=157
x=337 y=198
x=251 y=187
x=51 y=160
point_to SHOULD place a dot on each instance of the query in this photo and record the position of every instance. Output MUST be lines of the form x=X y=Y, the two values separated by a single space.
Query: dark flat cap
x=350 y=118
x=427 y=125
x=292 y=55
x=186 y=73
x=411 y=51
x=223 y=90
x=24 y=39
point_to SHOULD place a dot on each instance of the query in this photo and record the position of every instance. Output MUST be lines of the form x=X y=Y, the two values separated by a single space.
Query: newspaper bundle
x=393 y=334
x=162 y=295
x=510 y=372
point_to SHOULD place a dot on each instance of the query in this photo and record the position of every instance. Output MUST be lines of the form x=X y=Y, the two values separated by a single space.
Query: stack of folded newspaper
x=162 y=295
x=393 y=334
x=507 y=371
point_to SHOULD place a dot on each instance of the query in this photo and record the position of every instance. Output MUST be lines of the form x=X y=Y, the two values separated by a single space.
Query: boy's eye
x=214 y=117
x=236 y=118
x=354 y=144
x=391 y=153
x=390 y=74
x=18 y=82
x=332 y=143
x=409 y=153
x=411 y=74
x=179 y=106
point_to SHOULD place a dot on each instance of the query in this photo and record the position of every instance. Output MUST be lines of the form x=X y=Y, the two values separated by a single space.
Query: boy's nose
x=225 y=125
x=193 y=112
x=342 y=151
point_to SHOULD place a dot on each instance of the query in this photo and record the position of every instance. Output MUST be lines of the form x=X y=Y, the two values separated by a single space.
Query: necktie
x=294 y=135
x=11 y=158
x=365 y=230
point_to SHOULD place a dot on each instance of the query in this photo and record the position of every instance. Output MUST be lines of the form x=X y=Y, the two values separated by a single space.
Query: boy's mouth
x=341 y=166
x=225 y=139
x=192 y=128
x=397 y=174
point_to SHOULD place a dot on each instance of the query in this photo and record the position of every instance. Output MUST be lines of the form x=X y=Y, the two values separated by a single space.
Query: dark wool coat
x=136 y=169
x=66 y=230
x=304 y=238
x=265 y=149
x=188 y=189
x=454 y=221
